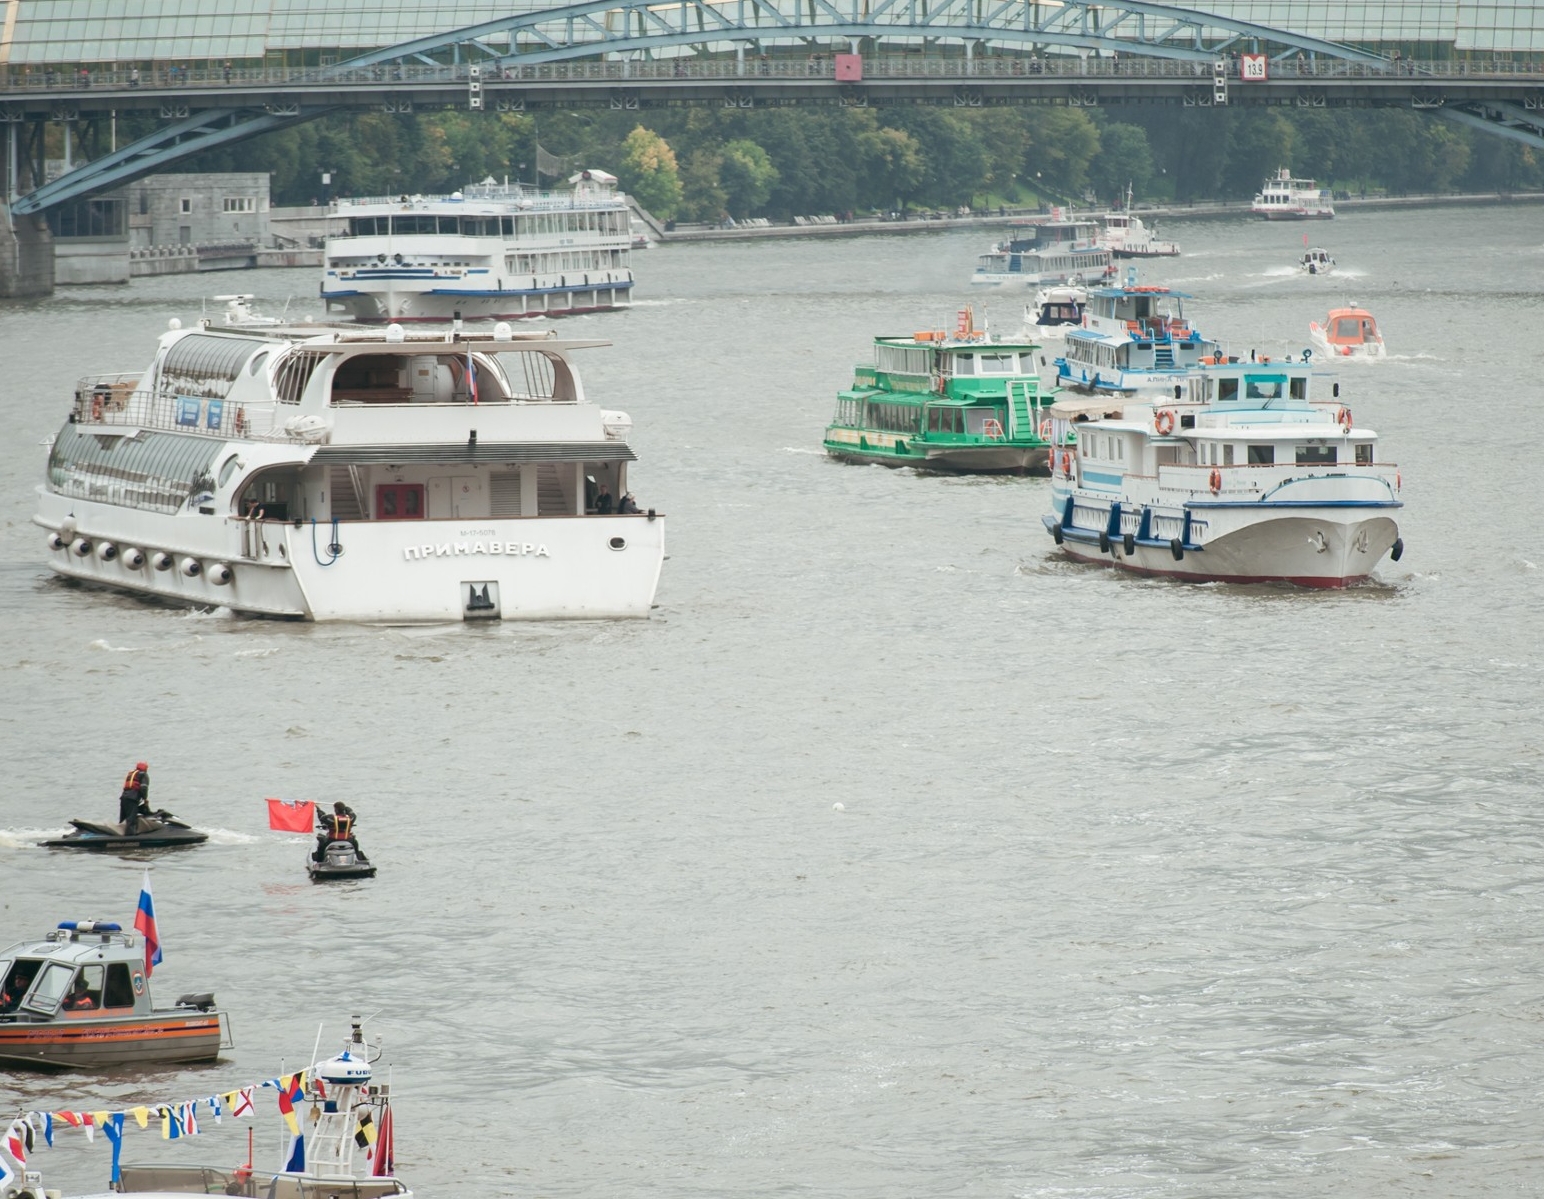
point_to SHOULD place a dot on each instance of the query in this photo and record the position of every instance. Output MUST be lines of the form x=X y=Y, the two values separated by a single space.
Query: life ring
x=1343 y=419
x=1066 y=464
x=241 y=422
x=1045 y=429
x=1215 y=482
x=1163 y=421
x=96 y=407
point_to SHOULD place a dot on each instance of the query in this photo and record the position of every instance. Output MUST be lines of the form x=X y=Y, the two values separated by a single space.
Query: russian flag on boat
x=144 y=924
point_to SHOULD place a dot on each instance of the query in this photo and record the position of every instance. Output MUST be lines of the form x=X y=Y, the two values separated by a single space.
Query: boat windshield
x=18 y=978
x=50 y=987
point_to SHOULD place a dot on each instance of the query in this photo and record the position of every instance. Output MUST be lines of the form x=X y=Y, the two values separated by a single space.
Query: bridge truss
x=732 y=43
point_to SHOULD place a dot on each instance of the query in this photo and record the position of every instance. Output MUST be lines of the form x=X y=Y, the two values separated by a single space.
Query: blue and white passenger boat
x=1046 y=254
x=1134 y=340
x=1246 y=477
x=493 y=251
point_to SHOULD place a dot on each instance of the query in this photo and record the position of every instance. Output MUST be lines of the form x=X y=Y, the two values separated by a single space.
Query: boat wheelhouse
x=1125 y=236
x=1251 y=478
x=80 y=998
x=492 y=251
x=353 y=474
x=1284 y=198
x=960 y=402
x=1134 y=340
x=1046 y=253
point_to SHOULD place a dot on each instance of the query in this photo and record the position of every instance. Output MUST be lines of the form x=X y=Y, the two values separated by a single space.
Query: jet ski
x=341 y=860
x=159 y=831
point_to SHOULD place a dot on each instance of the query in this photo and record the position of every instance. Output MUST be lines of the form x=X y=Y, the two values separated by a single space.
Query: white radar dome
x=344 y=1070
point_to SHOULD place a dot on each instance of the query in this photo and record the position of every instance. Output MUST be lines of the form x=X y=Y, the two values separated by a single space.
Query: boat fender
x=161 y=560
x=1163 y=421
x=191 y=567
x=67 y=528
x=1045 y=430
x=81 y=547
x=133 y=557
x=107 y=551
x=1215 y=482
x=56 y=542
x=1343 y=419
x=219 y=574
x=1397 y=550
x=1129 y=544
x=1177 y=548
x=1104 y=542
x=1056 y=533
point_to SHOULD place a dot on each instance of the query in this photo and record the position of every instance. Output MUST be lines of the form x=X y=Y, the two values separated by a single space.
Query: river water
x=896 y=855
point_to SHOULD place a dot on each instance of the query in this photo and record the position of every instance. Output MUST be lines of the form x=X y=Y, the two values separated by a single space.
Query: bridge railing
x=620 y=71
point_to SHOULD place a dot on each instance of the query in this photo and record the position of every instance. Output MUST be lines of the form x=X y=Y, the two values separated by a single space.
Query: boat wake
x=101 y=643
x=228 y=836
x=28 y=838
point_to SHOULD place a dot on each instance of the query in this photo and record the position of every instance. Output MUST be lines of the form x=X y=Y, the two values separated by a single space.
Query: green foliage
x=747 y=176
x=1124 y=159
x=648 y=172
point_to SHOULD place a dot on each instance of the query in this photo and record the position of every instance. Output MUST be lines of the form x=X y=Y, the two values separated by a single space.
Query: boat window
x=204 y=365
x=1299 y=387
x=508 y=223
x=1348 y=328
x=17 y=979
x=154 y=470
x=962 y=364
x=999 y=364
x=85 y=993
x=293 y=374
x=1317 y=455
x=257 y=362
x=1264 y=388
x=1227 y=389
x=228 y=468
x=50 y=987
x=1227 y=454
x=120 y=990
x=1262 y=455
x=1364 y=454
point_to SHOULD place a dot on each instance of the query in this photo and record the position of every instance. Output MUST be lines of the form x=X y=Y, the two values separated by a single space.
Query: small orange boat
x=1348 y=333
x=79 y=998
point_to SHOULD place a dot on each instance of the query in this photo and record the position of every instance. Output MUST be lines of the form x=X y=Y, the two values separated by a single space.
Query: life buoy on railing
x=1045 y=430
x=1163 y=421
x=241 y=422
x=1215 y=482
x=1066 y=464
x=1343 y=419
x=96 y=406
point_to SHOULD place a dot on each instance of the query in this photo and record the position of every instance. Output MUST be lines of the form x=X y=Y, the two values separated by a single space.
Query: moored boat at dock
x=960 y=402
x=353 y=474
x=1249 y=478
x=79 y=998
x=492 y=251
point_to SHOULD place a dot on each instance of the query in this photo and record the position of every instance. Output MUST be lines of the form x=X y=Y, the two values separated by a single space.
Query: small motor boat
x=159 y=831
x=341 y=860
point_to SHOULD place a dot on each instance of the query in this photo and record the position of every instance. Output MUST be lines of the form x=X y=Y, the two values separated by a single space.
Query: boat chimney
x=455 y=320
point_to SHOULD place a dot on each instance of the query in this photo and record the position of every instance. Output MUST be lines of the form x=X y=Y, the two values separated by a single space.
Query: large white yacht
x=493 y=251
x=1246 y=477
x=345 y=473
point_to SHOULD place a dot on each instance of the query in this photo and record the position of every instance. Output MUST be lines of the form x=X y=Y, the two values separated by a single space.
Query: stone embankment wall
x=26 y=256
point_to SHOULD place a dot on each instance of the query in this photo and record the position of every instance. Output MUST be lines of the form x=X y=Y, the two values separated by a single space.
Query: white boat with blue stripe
x=1134 y=340
x=492 y=252
x=1245 y=476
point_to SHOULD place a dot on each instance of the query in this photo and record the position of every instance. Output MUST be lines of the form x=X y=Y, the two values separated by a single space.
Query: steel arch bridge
x=637 y=52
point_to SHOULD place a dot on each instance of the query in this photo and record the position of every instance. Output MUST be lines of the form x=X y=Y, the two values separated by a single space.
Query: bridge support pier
x=26 y=256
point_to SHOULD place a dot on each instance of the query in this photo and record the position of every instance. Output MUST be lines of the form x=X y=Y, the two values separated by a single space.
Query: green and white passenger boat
x=962 y=403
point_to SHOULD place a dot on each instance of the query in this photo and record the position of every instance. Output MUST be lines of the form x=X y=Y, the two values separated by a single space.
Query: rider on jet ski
x=135 y=800
x=337 y=825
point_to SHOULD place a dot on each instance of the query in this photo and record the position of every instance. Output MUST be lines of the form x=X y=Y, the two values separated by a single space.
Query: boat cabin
x=1351 y=327
x=1316 y=261
x=83 y=968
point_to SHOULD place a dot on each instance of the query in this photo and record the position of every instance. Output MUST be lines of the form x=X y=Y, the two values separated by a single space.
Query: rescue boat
x=1348 y=333
x=80 y=998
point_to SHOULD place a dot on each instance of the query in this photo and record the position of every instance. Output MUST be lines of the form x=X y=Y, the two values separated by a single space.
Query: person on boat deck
x=134 y=802
x=15 y=987
x=603 y=502
x=79 y=999
x=337 y=825
x=628 y=504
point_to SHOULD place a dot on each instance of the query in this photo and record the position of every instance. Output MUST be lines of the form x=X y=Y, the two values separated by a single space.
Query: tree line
x=702 y=164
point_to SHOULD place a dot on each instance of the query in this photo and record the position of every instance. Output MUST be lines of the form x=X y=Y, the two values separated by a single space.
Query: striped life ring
x=1163 y=421
x=1215 y=482
x=1045 y=429
x=1066 y=464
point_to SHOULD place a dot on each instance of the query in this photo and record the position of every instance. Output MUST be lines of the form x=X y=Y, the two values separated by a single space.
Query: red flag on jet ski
x=291 y=815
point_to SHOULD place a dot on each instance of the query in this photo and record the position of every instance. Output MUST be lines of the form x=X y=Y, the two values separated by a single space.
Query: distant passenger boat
x=960 y=403
x=1041 y=255
x=494 y=251
x=1284 y=198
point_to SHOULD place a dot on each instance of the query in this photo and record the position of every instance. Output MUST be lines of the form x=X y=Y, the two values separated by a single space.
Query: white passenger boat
x=1251 y=480
x=1044 y=254
x=1284 y=198
x=1134 y=340
x=353 y=474
x=1125 y=236
x=1316 y=260
x=492 y=251
x=1054 y=311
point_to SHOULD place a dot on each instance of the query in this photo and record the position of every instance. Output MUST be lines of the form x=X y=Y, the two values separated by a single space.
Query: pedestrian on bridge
x=227 y=70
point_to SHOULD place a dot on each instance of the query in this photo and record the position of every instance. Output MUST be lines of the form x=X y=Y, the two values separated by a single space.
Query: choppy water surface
x=1134 y=889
